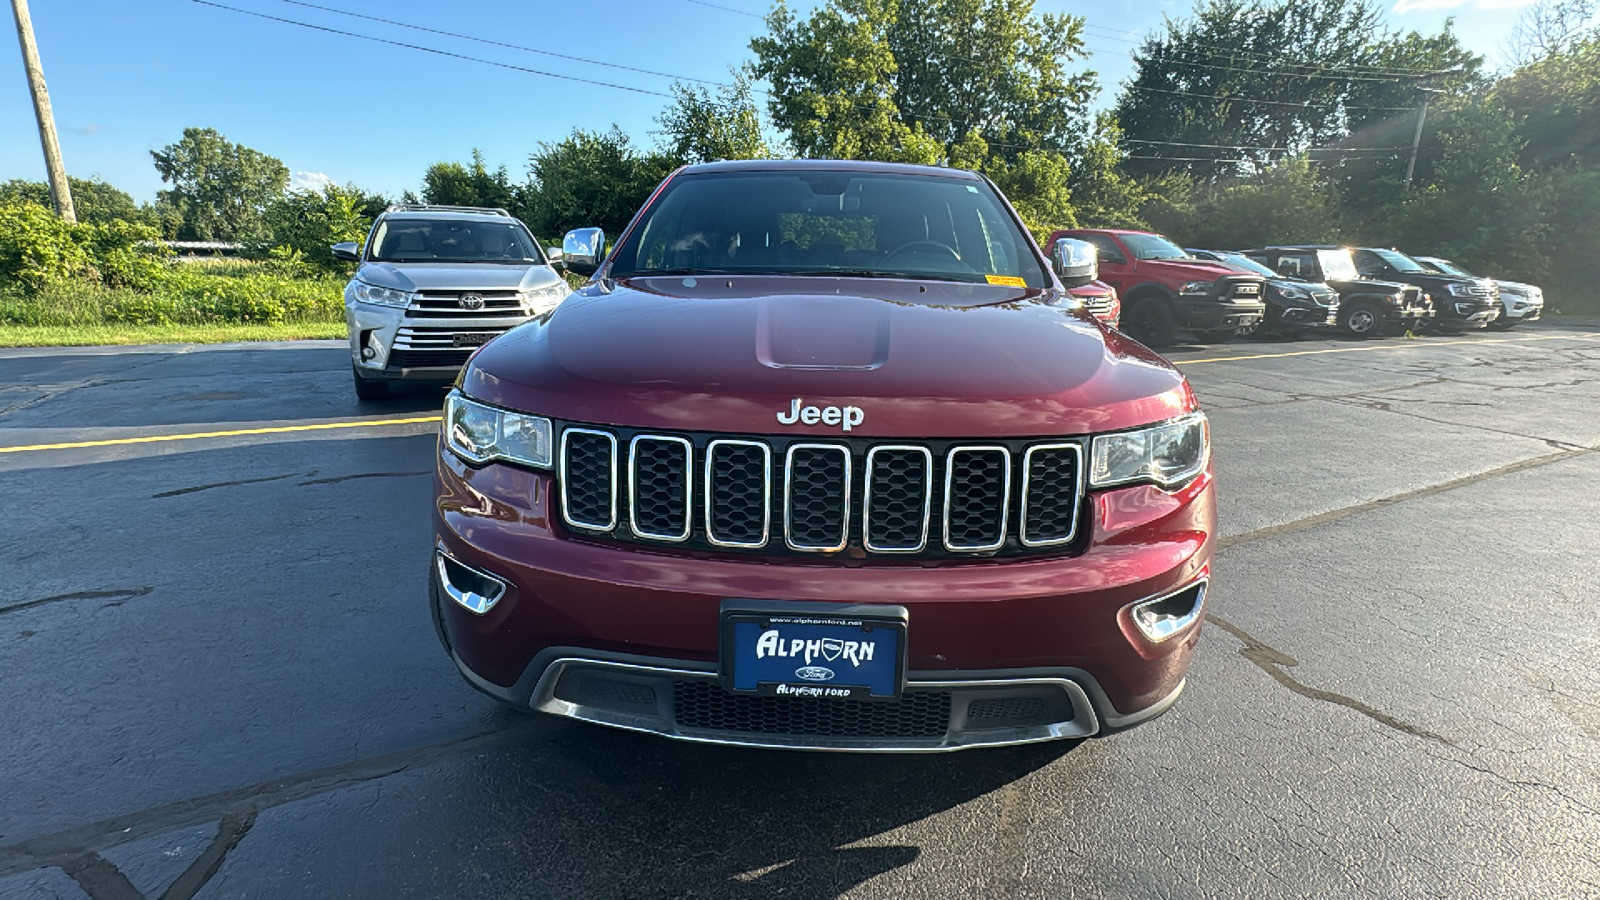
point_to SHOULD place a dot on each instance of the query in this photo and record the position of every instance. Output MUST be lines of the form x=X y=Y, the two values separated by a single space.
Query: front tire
x=1361 y=321
x=1150 y=320
x=368 y=391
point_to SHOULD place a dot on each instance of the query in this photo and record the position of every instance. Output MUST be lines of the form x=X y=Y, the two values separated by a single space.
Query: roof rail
x=440 y=207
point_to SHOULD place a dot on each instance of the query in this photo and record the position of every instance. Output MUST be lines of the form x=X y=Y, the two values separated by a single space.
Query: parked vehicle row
x=1294 y=288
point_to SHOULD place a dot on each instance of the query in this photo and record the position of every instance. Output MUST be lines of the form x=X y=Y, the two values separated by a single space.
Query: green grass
x=225 y=333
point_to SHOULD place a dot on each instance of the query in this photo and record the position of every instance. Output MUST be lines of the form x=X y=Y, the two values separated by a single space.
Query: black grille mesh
x=738 y=493
x=897 y=493
x=817 y=485
x=588 y=479
x=704 y=706
x=1018 y=709
x=417 y=359
x=977 y=498
x=1052 y=501
x=660 y=471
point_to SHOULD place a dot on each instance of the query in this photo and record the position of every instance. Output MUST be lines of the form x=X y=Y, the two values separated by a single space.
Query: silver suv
x=435 y=283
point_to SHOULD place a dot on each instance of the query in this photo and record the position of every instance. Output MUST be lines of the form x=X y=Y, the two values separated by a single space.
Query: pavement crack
x=99 y=878
x=1234 y=540
x=52 y=849
x=1520 y=783
x=363 y=475
x=1276 y=663
x=78 y=595
x=220 y=484
x=235 y=825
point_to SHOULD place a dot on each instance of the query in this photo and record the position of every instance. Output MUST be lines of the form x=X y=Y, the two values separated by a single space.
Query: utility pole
x=1416 y=140
x=60 y=190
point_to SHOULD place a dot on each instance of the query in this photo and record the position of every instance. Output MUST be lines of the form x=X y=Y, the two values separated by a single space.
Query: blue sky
x=127 y=76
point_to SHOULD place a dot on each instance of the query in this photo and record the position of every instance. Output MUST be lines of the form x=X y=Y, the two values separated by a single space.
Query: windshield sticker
x=1007 y=280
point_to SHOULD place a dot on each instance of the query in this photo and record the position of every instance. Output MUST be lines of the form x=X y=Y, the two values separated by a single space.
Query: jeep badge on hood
x=849 y=416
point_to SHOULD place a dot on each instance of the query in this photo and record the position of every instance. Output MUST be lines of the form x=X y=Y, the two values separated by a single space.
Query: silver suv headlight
x=479 y=433
x=382 y=296
x=1168 y=454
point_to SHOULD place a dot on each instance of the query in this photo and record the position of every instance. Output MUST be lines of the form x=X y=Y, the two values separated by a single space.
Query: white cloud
x=1401 y=7
x=309 y=181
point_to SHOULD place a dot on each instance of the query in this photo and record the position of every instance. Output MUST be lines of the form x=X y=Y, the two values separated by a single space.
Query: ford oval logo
x=814 y=673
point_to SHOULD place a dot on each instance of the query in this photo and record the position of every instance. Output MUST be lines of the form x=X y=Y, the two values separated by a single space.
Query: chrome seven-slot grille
x=779 y=495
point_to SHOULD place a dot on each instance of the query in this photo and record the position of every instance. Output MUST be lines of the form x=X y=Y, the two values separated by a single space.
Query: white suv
x=435 y=283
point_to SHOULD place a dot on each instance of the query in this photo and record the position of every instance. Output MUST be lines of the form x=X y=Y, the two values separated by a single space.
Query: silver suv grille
x=807 y=496
x=447 y=304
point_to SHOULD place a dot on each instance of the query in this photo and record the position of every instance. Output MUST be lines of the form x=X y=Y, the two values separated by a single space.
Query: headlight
x=1294 y=293
x=1167 y=454
x=1459 y=290
x=1196 y=287
x=382 y=296
x=479 y=433
x=545 y=297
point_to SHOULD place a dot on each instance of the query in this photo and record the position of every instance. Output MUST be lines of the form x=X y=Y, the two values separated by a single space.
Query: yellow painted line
x=1409 y=345
x=280 y=429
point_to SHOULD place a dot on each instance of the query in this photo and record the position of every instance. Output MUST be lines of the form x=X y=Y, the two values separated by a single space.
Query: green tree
x=452 y=184
x=1244 y=83
x=981 y=84
x=94 y=200
x=588 y=179
x=700 y=126
x=220 y=189
x=1289 y=203
x=309 y=222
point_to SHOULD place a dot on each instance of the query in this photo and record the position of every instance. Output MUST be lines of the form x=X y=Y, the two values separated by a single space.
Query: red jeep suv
x=824 y=456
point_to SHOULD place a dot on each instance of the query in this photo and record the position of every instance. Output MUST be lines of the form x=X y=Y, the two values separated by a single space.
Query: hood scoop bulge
x=822 y=332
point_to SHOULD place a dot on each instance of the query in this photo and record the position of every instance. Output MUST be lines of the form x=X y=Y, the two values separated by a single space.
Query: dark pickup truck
x=1460 y=304
x=1164 y=290
x=1366 y=307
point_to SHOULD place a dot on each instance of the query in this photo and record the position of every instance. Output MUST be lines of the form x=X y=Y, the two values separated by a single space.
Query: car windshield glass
x=1337 y=265
x=1246 y=264
x=400 y=240
x=1153 y=246
x=1449 y=268
x=830 y=222
x=1400 y=261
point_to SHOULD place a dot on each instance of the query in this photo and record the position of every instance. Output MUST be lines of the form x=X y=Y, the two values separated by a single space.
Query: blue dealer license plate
x=824 y=651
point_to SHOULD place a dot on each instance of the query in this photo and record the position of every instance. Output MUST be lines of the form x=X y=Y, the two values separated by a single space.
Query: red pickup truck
x=1164 y=290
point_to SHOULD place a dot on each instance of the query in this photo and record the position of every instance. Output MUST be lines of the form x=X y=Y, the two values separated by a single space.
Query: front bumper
x=1520 y=310
x=1006 y=651
x=1211 y=315
x=1304 y=316
x=393 y=344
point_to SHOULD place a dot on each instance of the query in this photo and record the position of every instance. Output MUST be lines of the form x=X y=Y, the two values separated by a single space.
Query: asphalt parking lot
x=219 y=677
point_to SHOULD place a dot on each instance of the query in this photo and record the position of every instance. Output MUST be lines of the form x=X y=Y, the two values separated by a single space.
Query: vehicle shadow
x=654 y=818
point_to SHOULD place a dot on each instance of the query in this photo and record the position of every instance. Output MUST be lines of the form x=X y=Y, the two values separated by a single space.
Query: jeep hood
x=458 y=276
x=922 y=359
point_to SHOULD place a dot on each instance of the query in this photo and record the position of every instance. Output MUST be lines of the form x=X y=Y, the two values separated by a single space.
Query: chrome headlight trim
x=1167 y=454
x=480 y=433
x=375 y=295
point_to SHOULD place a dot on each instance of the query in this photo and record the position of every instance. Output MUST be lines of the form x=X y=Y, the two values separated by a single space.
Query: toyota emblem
x=471 y=301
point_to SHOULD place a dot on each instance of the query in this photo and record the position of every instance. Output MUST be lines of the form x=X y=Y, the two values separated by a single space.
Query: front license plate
x=824 y=651
x=472 y=340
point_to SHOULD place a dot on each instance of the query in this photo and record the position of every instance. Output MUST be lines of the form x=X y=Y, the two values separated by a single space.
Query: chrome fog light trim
x=474 y=590
x=1165 y=616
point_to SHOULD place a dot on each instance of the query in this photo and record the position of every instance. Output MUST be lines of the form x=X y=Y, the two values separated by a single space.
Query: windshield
x=1246 y=264
x=1448 y=267
x=1153 y=246
x=1400 y=261
x=1337 y=265
x=814 y=222
x=453 y=240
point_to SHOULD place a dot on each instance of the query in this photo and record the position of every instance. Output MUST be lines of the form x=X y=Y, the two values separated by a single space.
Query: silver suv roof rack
x=439 y=207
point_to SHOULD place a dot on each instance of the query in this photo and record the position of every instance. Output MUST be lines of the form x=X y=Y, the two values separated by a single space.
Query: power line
x=468 y=37
x=379 y=40
x=1244 y=160
x=1281 y=149
x=1243 y=99
x=1219 y=50
x=739 y=12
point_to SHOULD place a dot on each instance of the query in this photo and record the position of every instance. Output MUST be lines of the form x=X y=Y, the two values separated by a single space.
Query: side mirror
x=582 y=250
x=347 y=250
x=1076 y=262
x=555 y=255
